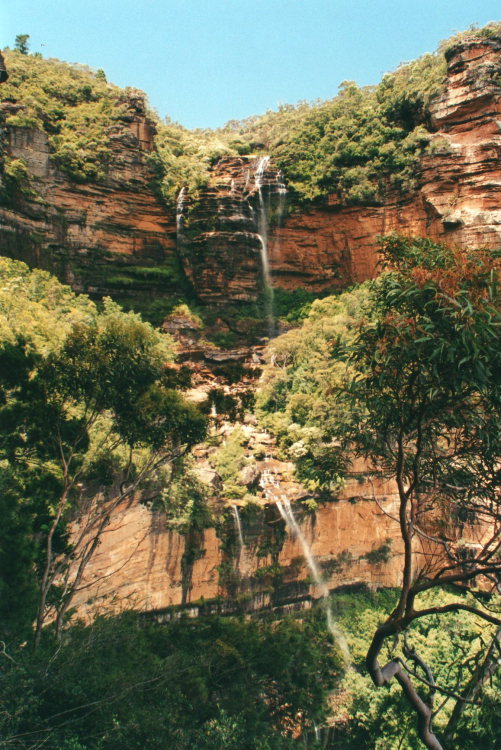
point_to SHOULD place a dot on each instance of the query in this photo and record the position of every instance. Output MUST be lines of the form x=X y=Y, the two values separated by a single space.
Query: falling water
x=180 y=214
x=262 y=219
x=287 y=514
x=285 y=510
x=282 y=192
x=262 y=166
x=262 y=228
x=238 y=527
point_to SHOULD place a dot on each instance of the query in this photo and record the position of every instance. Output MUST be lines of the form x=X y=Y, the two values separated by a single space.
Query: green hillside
x=360 y=144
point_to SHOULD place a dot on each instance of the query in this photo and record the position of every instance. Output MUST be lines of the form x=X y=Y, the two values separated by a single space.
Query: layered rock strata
x=458 y=199
x=459 y=196
x=222 y=234
x=143 y=565
x=102 y=237
x=105 y=238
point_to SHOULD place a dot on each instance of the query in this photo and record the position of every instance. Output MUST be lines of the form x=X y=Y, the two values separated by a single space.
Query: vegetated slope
x=79 y=110
x=361 y=142
x=74 y=105
x=358 y=144
x=297 y=400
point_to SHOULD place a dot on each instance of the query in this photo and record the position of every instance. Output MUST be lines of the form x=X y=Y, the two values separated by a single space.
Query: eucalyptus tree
x=22 y=43
x=86 y=420
x=425 y=408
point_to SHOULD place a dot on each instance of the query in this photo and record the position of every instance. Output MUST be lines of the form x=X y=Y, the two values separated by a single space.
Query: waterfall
x=285 y=509
x=282 y=192
x=238 y=527
x=262 y=166
x=180 y=214
x=262 y=229
x=262 y=219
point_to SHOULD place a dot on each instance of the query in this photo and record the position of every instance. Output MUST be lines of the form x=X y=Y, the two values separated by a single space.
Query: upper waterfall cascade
x=231 y=221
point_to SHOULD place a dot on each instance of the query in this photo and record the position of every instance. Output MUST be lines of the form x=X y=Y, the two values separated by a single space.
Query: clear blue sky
x=203 y=62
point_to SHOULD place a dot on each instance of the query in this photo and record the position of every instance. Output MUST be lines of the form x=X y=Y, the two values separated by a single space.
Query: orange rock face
x=458 y=201
x=85 y=232
x=142 y=565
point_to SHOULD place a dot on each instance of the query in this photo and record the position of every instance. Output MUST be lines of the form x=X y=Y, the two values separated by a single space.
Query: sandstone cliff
x=459 y=192
x=331 y=246
x=142 y=564
x=119 y=237
x=116 y=237
x=223 y=232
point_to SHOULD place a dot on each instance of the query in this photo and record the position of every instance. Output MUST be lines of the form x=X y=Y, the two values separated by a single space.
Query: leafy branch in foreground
x=425 y=398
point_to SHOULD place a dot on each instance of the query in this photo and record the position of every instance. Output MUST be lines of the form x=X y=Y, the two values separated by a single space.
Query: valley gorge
x=227 y=243
x=250 y=423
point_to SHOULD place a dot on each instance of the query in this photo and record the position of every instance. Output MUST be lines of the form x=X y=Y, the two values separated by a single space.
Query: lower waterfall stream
x=271 y=488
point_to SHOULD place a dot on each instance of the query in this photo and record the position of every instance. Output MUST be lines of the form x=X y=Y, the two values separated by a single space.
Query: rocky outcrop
x=331 y=246
x=143 y=565
x=223 y=233
x=112 y=237
x=250 y=559
x=459 y=195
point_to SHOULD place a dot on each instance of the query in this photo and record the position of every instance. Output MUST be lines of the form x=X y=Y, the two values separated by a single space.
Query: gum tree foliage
x=366 y=717
x=424 y=403
x=210 y=683
x=85 y=422
x=22 y=43
x=298 y=396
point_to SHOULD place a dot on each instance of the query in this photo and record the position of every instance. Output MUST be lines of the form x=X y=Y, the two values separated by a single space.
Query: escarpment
x=119 y=236
x=111 y=237
x=227 y=243
x=458 y=194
